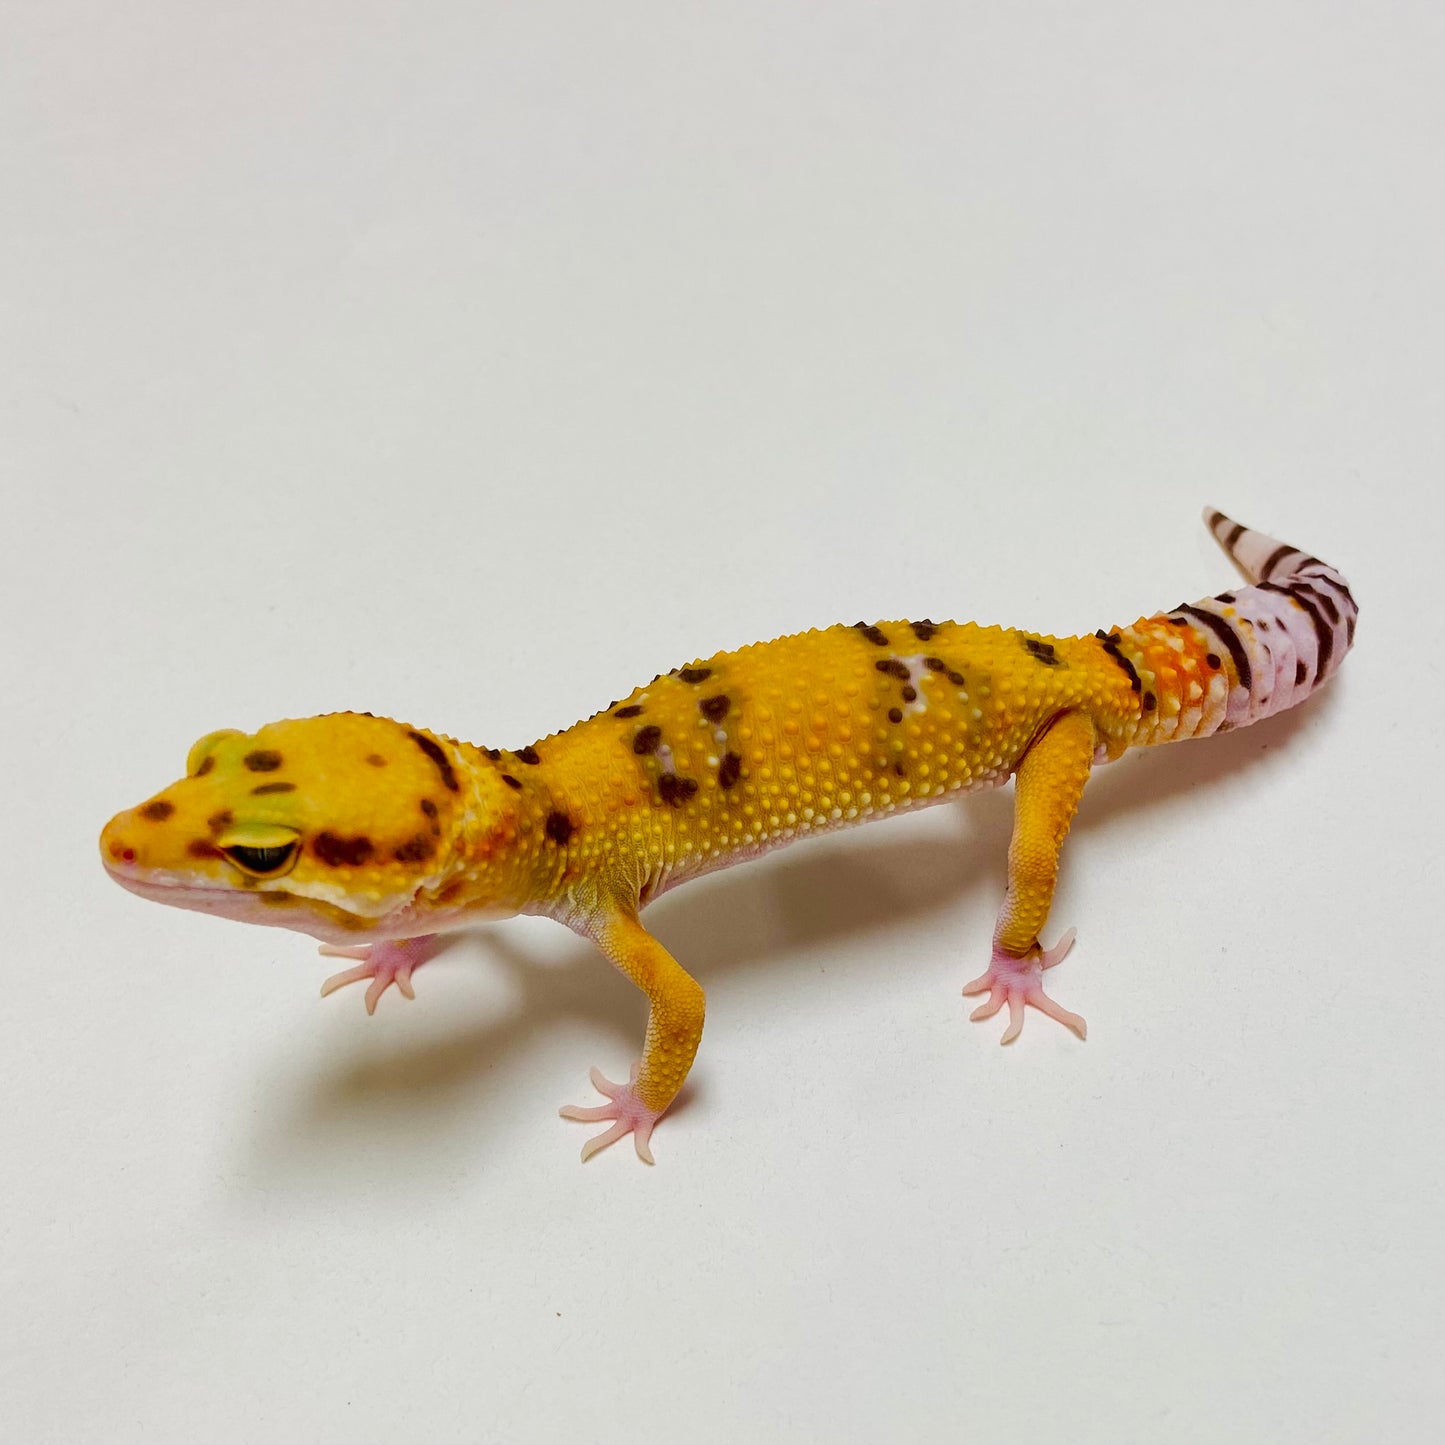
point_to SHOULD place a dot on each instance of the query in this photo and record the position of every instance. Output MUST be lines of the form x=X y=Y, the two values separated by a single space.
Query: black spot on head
x=376 y=760
x=910 y=694
x=443 y=763
x=695 y=674
x=956 y=678
x=715 y=708
x=272 y=788
x=158 y=811
x=415 y=850
x=338 y=852
x=1149 y=701
x=923 y=630
x=528 y=755
x=219 y=822
x=207 y=763
x=729 y=770
x=510 y=781
x=874 y=635
x=559 y=827
x=199 y=848
x=646 y=740
x=634 y=710
x=676 y=790
x=262 y=760
x=895 y=715
x=894 y=668
x=935 y=664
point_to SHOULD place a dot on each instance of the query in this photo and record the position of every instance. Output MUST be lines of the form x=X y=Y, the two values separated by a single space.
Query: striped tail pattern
x=1230 y=660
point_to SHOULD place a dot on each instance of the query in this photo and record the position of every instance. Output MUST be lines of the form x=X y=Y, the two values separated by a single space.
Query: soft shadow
x=790 y=904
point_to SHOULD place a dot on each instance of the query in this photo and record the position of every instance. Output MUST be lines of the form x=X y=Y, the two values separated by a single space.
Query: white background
x=469 y=363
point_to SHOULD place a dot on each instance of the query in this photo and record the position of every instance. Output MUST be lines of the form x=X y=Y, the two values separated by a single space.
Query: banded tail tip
x=1257 y=555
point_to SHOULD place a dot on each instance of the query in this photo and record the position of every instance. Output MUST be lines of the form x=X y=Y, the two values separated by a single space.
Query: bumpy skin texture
x=375 y=836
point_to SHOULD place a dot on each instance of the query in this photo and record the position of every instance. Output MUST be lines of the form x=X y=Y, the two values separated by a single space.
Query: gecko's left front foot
x=628 y=1113
x=1020 y=981
x=389 y=962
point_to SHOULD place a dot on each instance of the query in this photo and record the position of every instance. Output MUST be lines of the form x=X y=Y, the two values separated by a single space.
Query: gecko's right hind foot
x=1020 y=981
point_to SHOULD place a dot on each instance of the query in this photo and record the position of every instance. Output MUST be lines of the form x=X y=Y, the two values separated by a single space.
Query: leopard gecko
x=377 y=837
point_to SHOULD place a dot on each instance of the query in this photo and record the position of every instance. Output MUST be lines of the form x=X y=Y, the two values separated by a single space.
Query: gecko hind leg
x=392 y=961
x=1020 y=981
x=628 y=1113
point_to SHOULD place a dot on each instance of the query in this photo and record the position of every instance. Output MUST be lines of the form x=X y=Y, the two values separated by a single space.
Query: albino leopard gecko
x=351 y=827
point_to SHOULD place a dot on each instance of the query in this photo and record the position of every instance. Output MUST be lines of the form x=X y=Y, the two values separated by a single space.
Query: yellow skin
x=374 y=836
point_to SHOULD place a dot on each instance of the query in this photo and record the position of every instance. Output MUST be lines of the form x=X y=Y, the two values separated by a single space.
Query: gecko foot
x=1020 y=981
x=389 y=962
x=628 y=1113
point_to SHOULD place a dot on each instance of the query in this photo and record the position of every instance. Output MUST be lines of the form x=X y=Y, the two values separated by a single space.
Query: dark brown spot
x=495 y=754
x=1225 y=597
x=429 y=808
x=935 y=664
x=559 y=827
x=676 y=790
x=510 y=781
x=873 y=634
x=199 y=848
x=1111 y=646
x=158 y=811
x=262 y=760
x=715 y=709
x=376 y=760
x=634 y=710
x=274 y=896
x=895 y=715
x=923 y=630
x=415 y=850
x=1212 y=658
x=695 y=674
x=894 y=668
x=956 y=678
x=529 y=755
x=729 y=770
x=443 y=763
x=207 y=763
x=910 y=694
x=1235 y=533
x=338 y=852
x=272 y=788
x=646 y=740
x=1042 y=652
x=219 y=822
x=898 y=768
x=1300 y=673
x=1150 y=702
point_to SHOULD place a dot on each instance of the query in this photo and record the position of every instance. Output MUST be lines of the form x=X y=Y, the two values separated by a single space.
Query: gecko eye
x=264 y=862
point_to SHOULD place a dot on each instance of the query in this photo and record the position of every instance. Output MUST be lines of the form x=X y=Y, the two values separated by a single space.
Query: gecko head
x=329 y=825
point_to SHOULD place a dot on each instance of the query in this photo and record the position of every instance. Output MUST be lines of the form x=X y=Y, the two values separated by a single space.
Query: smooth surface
x=470 y=363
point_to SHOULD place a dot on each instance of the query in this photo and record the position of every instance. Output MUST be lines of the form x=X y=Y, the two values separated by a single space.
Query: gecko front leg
x=674 y=1029
x=392 y=961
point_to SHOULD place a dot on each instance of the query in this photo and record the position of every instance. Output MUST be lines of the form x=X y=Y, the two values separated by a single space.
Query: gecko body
x=378 y=837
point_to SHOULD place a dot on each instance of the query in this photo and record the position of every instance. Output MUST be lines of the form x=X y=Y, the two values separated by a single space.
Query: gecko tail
x=1291 y=627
